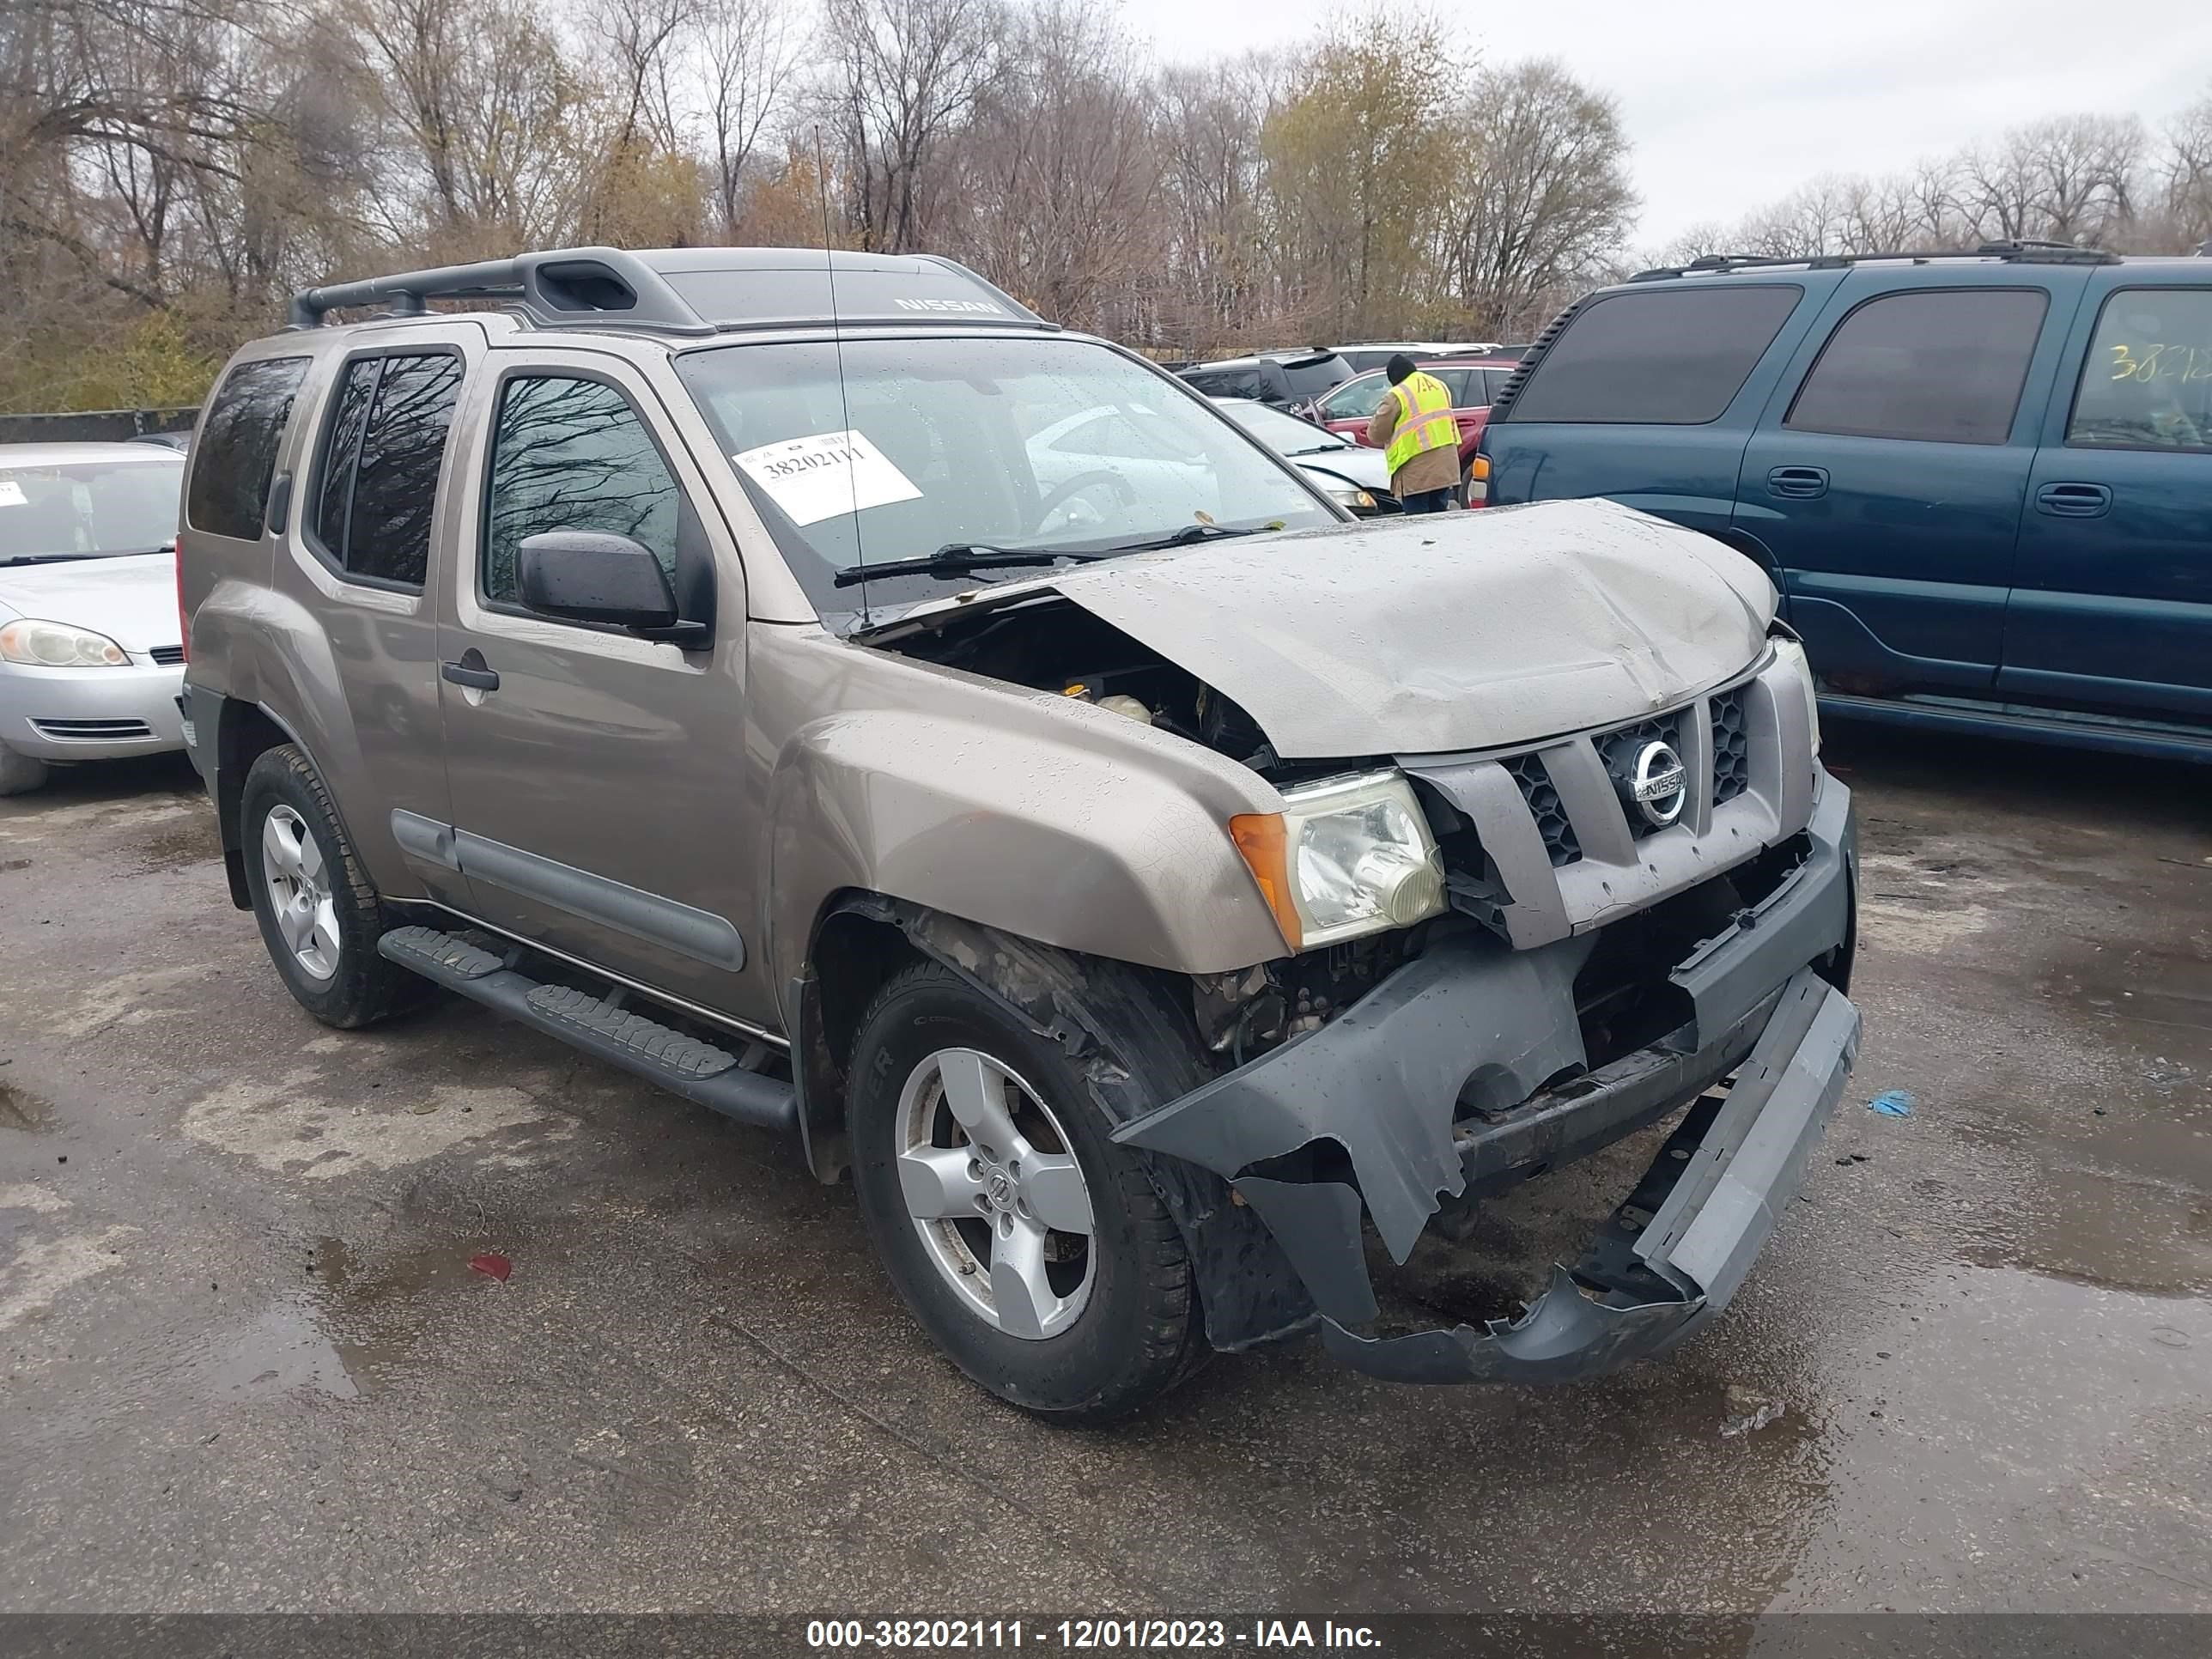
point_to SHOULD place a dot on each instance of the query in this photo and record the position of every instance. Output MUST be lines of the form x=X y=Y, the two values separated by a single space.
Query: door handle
x=2075 y=500
x=1798 y=482
x=470 y=671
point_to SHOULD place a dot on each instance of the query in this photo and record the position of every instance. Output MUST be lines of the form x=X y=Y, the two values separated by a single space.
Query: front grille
x=91 y=731
x=1618 y=750
x=1731 y=747
x=168 y=655
x=1527 y=771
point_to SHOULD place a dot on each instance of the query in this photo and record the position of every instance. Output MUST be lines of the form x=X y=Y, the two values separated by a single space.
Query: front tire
x=20 y=774
x=1032 y=1249
x=319 y=915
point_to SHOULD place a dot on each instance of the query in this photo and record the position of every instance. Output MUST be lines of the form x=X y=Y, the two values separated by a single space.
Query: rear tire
x=1093 y=1324
x=319 y=915
x=20 y=774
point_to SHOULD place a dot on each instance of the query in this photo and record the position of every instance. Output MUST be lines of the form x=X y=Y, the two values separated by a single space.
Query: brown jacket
x=1432 y=469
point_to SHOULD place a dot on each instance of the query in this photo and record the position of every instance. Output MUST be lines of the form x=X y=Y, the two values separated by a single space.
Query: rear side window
x=1674 y=357
x=235 y=455
x=377 y=488
x=1232 y=383
x=2147 y=382
x=570 y=453
x=1939 y=365
x=1465 y=385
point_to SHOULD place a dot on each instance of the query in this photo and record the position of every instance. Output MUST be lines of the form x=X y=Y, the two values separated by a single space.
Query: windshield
x=88 y=509
x=1018 y=443
x=1286 y=434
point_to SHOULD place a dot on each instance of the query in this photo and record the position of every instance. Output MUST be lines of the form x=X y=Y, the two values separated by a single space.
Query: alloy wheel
x=996 y=1195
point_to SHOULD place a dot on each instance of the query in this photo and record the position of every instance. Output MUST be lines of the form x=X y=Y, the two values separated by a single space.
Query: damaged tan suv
x=826 y=690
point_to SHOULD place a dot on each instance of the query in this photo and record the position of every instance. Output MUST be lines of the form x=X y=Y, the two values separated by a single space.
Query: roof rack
x=2013 y=252
x=689 y=291
x=589 y=287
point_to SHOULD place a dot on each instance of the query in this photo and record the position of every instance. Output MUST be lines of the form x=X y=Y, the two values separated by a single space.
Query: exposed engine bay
x=1051 y=645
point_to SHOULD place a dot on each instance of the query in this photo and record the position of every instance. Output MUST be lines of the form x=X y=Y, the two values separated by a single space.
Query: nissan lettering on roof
x=966 y=307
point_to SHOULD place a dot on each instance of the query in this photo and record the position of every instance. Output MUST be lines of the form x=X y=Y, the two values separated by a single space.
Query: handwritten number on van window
x=2159 y=361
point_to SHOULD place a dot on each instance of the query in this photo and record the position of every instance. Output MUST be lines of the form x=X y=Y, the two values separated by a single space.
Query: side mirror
x=592 y=576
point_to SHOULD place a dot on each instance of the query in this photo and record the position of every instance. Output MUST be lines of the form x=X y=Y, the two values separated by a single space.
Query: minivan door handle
x=2075 y=500
x=1800 y=484
x=471 y=670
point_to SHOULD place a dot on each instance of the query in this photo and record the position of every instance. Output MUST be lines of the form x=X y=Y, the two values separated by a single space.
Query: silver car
x=90 y=651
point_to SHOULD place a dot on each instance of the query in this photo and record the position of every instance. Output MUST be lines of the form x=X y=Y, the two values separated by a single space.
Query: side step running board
x=697 y=1071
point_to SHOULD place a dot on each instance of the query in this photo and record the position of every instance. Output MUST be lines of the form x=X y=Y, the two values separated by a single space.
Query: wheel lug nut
x=974 y=1168
x=983 y=1203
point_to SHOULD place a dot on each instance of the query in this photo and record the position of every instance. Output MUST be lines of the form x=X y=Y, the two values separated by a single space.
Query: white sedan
x=90 y=646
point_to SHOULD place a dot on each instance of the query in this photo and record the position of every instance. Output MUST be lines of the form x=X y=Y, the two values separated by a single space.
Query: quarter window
x=570 y=453
x=234 y=457
x=378 y=487
x=1671 y=357
x=1938 y=365
x=2147 y=382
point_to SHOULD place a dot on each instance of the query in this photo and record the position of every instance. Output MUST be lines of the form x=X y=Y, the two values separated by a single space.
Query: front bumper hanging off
x=1435 y=1083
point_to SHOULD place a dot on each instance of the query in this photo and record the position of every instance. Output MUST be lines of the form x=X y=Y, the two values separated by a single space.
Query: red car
x=1472 y=381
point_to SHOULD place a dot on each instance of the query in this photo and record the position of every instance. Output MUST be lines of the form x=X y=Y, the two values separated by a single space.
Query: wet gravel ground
x=245 y=1362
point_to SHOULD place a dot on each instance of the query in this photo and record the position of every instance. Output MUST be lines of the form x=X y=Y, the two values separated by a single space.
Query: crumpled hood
x=132 y=599
x=1457 y=630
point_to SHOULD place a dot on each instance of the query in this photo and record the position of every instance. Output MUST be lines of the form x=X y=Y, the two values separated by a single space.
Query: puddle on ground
x=2118 y=1192
x=284 y=1350
x=373 y=1315
x=2090 y=1227
x=22 y=1109
x=176 y=847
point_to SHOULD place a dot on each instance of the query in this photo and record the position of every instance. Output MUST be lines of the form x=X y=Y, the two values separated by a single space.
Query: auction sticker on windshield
x=11 y=494
x=831 y=472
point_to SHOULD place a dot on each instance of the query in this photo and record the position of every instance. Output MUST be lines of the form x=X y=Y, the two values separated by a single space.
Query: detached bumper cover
x=1432 y=1084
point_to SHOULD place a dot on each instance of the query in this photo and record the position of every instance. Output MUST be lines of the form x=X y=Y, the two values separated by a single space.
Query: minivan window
x=378 y=485
x=235 y=455
x=570 y=453
x=2148 y=381
x=895 y=449
x=1671 y=357
x=1937 y=364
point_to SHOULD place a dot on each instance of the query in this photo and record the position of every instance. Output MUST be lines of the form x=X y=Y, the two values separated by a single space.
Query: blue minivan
x=1982 y=483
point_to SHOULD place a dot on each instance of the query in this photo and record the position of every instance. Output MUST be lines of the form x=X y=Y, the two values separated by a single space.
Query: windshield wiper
x=52 y=558
x=1192 y=532
x=957 y=559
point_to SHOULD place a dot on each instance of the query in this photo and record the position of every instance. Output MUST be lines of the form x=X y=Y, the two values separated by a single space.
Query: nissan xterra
x=1150 y=886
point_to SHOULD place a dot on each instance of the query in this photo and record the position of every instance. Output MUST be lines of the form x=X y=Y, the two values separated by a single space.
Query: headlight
x=1793 y=653
x=1346 y=857
x=56 y=645
x=1358 y=500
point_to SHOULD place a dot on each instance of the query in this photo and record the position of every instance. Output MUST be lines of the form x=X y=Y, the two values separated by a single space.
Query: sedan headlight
x=56 y=645
x=1359 y=500
x=1346 y=857
x=1792 y=652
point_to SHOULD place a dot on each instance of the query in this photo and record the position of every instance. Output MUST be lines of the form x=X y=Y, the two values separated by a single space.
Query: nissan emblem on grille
x=1656 y=784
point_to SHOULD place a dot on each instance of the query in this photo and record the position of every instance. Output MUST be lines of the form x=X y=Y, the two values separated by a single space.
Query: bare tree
x=1543 y=198
x=643 y=42
x=748 y=53
x=903 y=76
x=1055 y=180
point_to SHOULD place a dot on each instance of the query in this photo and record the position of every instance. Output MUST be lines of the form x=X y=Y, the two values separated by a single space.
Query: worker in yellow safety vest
x=1415 y=430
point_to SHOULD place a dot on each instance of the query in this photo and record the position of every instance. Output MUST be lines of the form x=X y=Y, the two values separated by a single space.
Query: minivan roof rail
x=2013 y=252
x=691 y=291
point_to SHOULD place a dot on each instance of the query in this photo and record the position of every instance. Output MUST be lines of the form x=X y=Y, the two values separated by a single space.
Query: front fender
x=1044 y=817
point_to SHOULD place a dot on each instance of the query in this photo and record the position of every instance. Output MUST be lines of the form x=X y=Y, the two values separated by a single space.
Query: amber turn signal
x=1263 y=841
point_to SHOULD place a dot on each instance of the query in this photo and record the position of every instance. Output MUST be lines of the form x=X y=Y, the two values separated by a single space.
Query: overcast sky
x=1731 y=103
